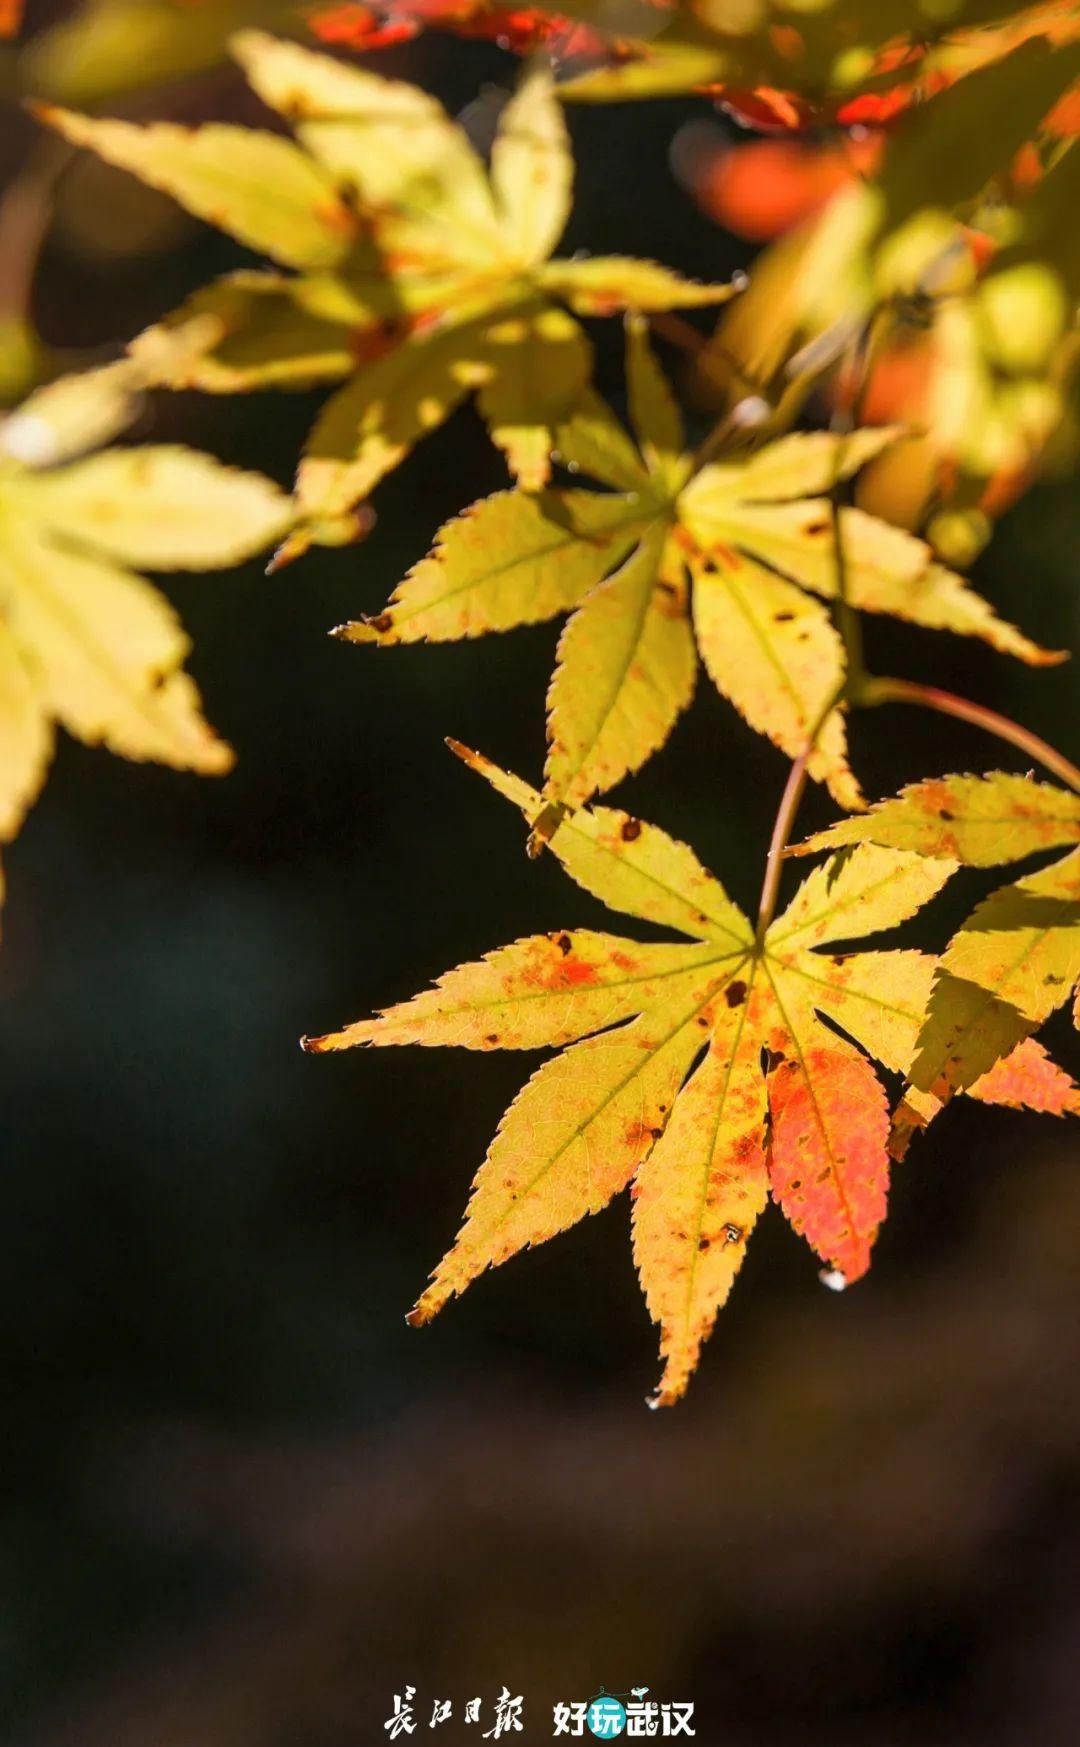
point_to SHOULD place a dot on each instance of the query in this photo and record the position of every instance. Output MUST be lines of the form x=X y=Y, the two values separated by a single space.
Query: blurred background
x=241 y=1504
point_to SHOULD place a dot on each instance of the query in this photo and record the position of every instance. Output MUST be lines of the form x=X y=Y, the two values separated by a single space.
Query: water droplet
x=740 y=280
x=833 y=1279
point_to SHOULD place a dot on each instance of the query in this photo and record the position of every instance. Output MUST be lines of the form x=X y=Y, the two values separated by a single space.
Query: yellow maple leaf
x=85 y=642
x=738 y=558
x=710 y=1072
x=417 y=274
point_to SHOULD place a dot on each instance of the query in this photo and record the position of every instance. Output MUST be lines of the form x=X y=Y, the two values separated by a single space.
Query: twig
x=786 y=814
x=25 y=214
x=929 y=697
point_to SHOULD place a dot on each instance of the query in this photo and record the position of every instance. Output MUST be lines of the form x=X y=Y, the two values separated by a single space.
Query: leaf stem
x=25 y=214
x=786 y=814
x=790 y=801
x=906 y=691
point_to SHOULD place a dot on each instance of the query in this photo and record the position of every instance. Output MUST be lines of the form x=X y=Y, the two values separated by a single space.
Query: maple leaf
x=1017 y=957
x=794 y=65
x=709 y=1071
x=416 y=274
x=733 y=557
x=85 y=642
x=365 y=27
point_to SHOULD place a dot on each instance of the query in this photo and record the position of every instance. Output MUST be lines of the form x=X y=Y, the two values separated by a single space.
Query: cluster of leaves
x=737 y=1061
x=778 y=1099
x=739 y=557
x=415 y=275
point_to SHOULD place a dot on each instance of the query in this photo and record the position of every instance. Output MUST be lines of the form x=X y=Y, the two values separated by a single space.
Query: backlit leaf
x=779 y=1099
x=979 y=820
x=25 y=736
x=700 y=1192
x=106 y=652
x=625 y=672
x=1016 y=959
x=507 y=561
x=395 y=145
x=540 y=362
x=654 y=413
x=532 y=169
x=257 y=186
x=776 y=655
x=422 y=277
x=604 y=284
x=255 y=334
x=161 y=508
x=84 y=641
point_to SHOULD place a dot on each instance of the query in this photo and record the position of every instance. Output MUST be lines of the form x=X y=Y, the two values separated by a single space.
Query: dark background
x=240 y=1502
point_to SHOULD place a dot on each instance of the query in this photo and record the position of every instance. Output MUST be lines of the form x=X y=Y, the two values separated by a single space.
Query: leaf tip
x=666 y=1394
x=423 y=1311
x=244 y=45
x=288 y=552
x=49 y=114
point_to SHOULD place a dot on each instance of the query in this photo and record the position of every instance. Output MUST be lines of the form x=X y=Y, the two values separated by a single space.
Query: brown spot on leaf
x=631 y=831
x=735 y=994
x=564 y=943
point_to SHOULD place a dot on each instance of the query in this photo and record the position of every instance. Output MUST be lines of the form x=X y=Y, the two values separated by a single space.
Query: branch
x=790 y=801
x=929 y=697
